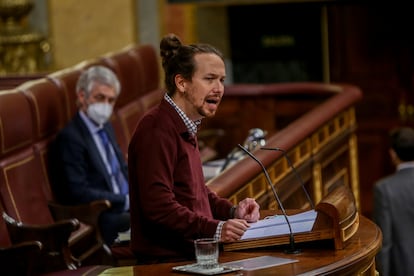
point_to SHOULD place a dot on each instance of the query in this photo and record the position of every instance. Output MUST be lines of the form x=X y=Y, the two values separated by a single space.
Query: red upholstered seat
x=48 y=114
x=127 y=116
x=129 y=69
x=125 y=122
x=23 y=258
x=16 y=259
x=21 y=189
x=151 y=63
x=65 y=80
x=151 y=98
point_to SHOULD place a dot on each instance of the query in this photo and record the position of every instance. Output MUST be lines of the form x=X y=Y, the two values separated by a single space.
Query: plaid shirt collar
x=192 y=126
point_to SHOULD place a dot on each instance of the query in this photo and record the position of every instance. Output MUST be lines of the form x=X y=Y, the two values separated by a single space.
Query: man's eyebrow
x=214 y=75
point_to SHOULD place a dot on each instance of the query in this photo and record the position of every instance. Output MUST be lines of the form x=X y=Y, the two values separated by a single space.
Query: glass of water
x=207 y=253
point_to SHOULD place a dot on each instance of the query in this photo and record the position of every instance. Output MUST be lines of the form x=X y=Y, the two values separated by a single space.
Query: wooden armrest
x=87 y=213
x=55 y=253
x=19 y=259
x=22 y=249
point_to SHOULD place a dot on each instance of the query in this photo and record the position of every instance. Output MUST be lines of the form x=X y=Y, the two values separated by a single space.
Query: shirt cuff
x=217 y=235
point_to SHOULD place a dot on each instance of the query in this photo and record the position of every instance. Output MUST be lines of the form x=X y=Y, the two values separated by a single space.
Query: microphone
x=295 y=172
x=255 y=138
x=292 y=249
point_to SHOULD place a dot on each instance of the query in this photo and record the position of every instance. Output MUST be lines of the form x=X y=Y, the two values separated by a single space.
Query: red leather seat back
x=48 y=111
x=151 y=99
x=129 y=69
x=48 y=107
x=66 y=80
x=150 y=62
x=21 y=185
x=16 y=130
x=127 y=119
x=128 y=116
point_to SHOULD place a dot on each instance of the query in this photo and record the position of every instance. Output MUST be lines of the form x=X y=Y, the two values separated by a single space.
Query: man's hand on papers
x=233 y=230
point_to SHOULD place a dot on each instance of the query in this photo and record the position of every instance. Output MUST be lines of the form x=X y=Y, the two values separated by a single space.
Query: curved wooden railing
x=321 y=144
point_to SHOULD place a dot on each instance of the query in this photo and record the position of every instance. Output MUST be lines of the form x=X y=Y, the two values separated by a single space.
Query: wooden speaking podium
x=337 y=219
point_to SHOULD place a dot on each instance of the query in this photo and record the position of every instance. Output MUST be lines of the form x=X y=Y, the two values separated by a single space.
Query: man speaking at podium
x=170 y=204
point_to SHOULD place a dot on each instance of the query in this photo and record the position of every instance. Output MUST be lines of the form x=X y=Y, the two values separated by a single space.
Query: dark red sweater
x=170 y=203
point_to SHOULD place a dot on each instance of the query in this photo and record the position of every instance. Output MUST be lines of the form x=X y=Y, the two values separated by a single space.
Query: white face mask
x=100 y=112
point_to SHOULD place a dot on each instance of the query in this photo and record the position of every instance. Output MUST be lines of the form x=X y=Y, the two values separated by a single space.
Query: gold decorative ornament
x=22 y=50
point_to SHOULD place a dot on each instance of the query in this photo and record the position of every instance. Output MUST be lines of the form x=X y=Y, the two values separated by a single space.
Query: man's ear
x=394 y=157
x=81 y=100
x=180 y=83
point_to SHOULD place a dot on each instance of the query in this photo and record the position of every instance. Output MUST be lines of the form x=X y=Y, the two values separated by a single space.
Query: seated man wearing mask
x=90 y=163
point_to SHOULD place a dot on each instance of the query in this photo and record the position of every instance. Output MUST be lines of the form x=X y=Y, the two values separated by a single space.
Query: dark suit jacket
x=79 y=173
x=394 y=214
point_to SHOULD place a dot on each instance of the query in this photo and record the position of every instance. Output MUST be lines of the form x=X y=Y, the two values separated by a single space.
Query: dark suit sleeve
x=382 y=217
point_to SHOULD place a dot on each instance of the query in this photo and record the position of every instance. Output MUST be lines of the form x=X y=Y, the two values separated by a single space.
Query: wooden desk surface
x=316 y=258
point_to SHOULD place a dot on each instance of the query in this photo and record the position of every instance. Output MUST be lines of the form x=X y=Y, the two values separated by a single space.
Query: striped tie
x=114 y=163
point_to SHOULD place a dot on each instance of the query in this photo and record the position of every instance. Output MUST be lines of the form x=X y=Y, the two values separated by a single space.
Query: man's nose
x=219 y=87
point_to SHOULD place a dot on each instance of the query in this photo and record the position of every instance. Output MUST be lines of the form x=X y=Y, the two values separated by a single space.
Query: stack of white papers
x=277 y=225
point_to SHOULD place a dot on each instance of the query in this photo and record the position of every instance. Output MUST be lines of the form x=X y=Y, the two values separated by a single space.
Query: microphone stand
x=228 y=159
x=295 y=173
x=255 y=138
x=292 y=249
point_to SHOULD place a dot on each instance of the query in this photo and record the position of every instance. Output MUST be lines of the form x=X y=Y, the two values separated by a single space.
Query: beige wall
x=82 y=29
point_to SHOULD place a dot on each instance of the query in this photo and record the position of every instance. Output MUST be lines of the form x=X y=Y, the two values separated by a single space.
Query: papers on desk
x=277 y=225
